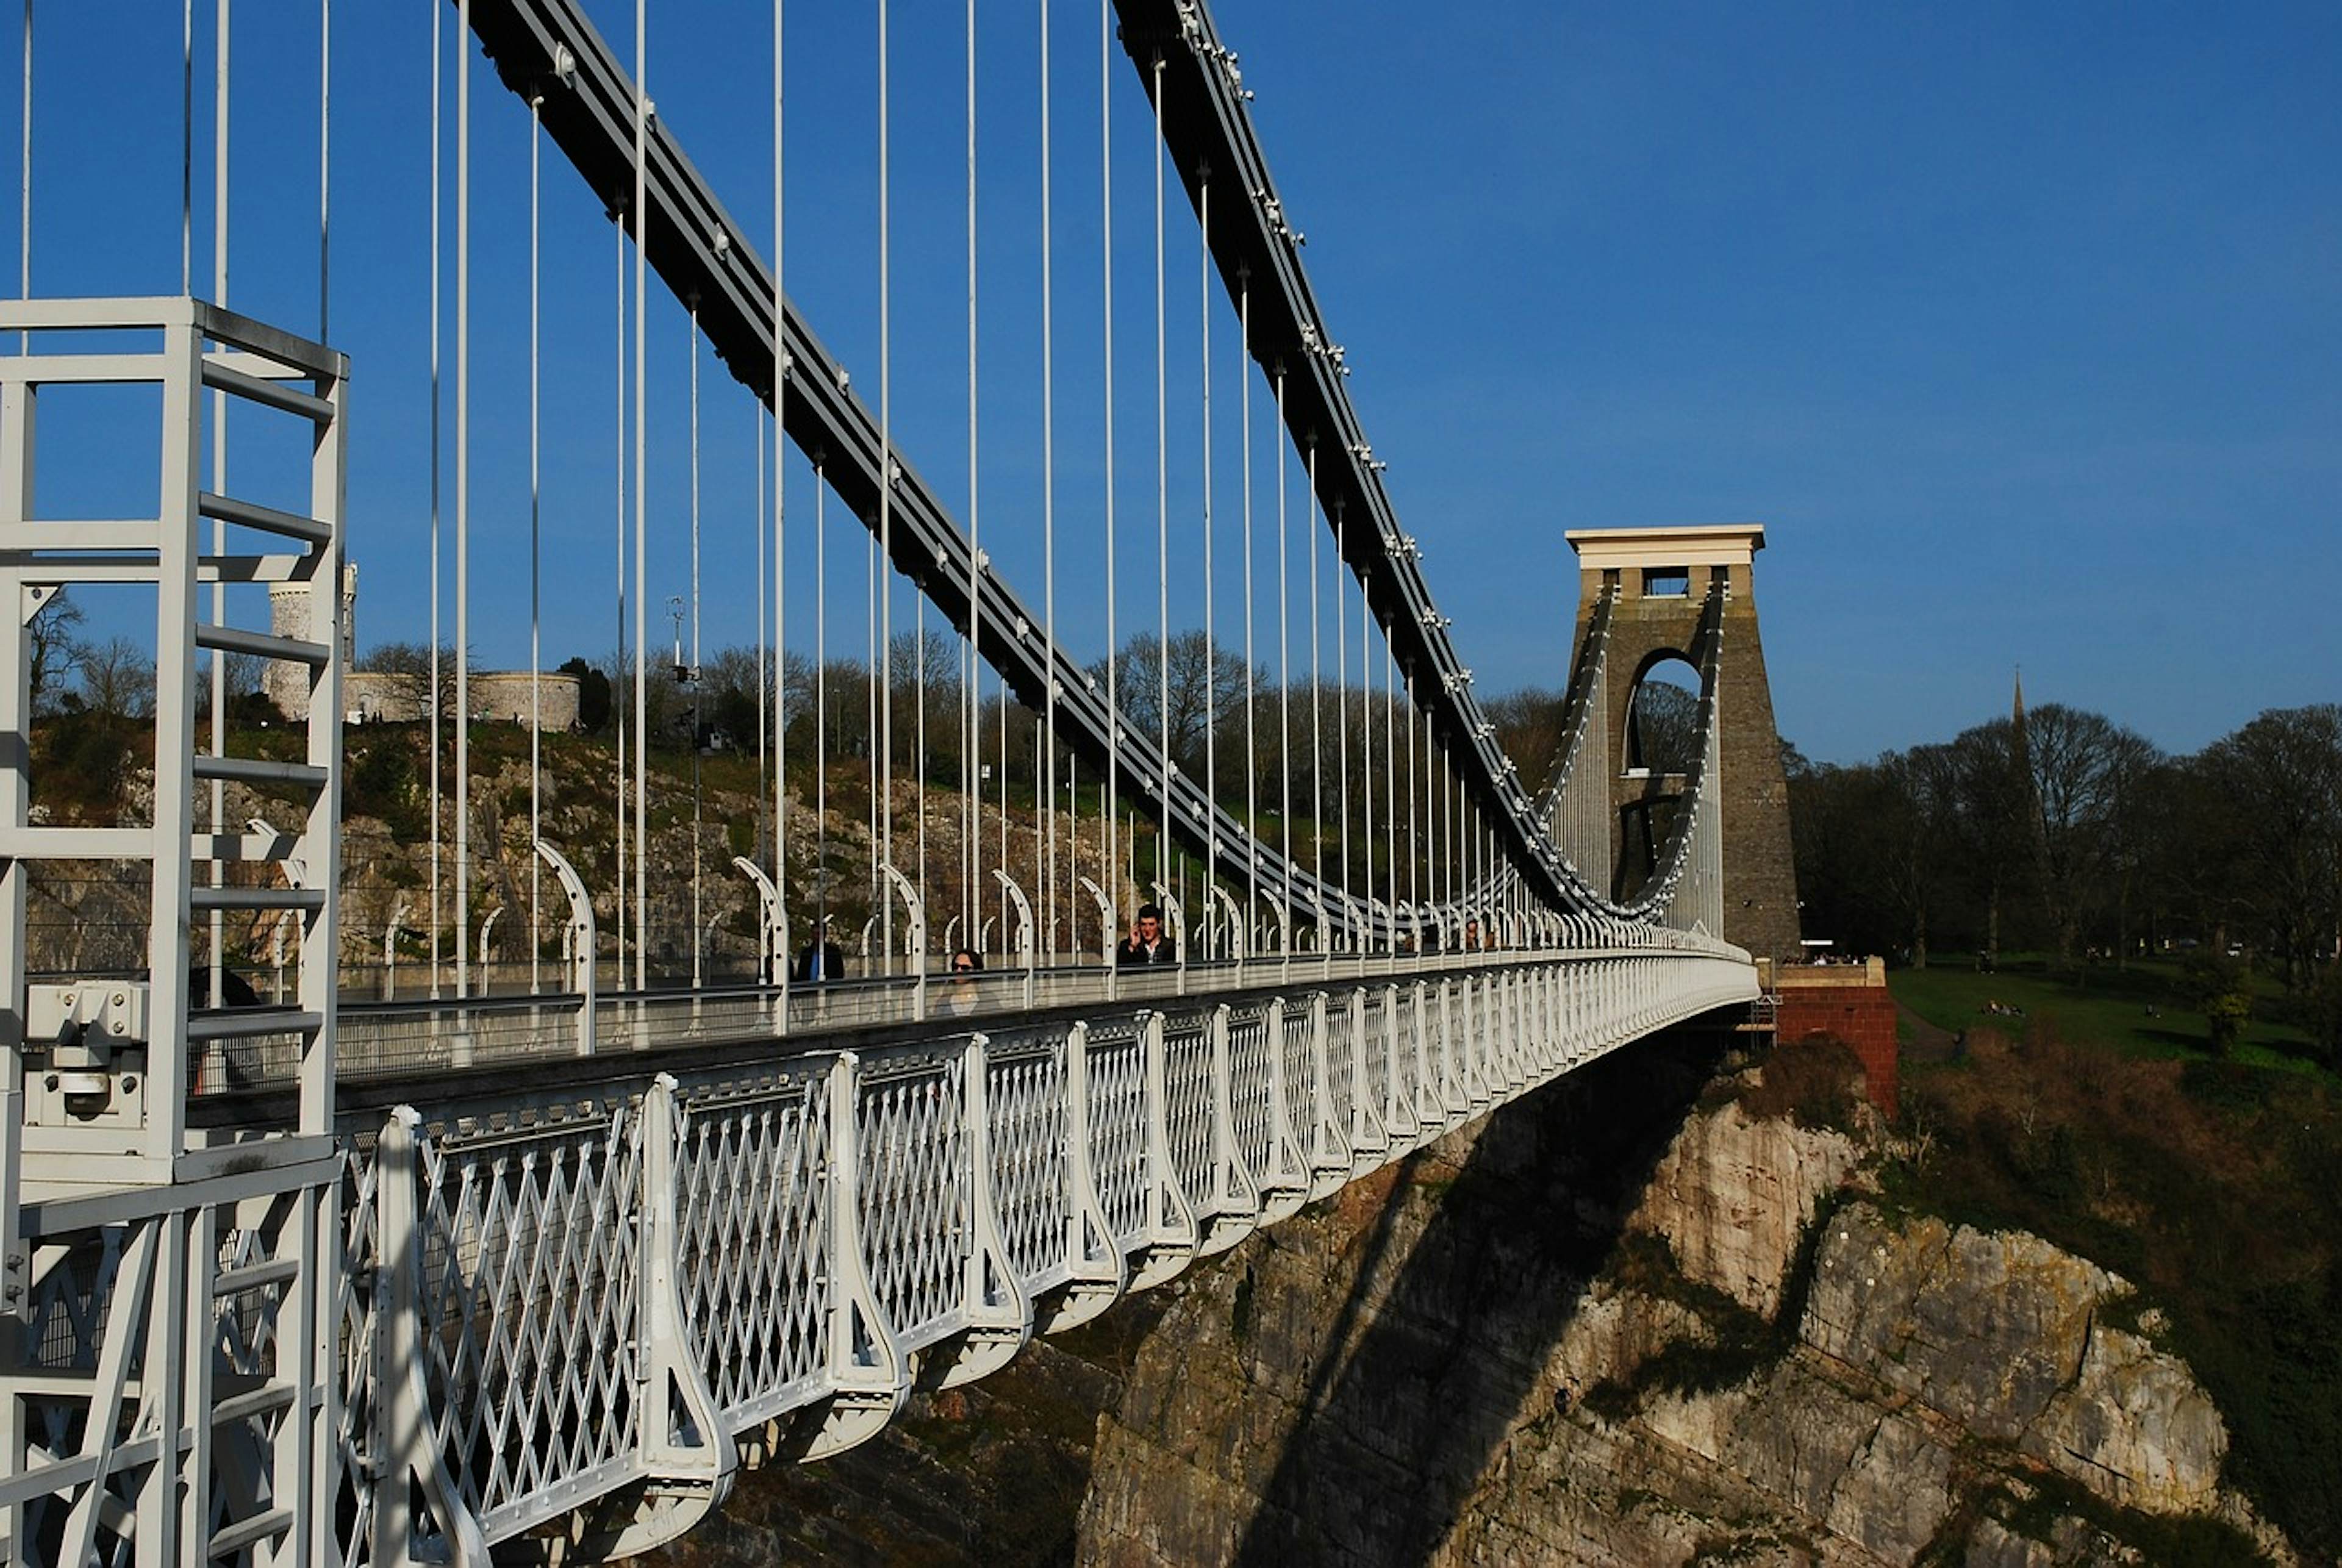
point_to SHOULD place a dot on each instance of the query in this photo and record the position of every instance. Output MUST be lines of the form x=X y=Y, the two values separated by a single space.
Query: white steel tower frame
x=170 y=1296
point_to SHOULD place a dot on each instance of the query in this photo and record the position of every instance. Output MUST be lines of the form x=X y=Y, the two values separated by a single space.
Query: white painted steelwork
x=571 y=1315
x=622 y=1294
x=172 y=1297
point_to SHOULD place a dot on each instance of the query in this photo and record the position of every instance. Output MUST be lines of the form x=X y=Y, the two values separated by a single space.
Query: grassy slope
x=2108 y=1007
x=2216 y=1186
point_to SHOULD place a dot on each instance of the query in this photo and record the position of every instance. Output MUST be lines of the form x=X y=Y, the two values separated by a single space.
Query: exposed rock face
x=1986 y=1328
x=1735 y=1194
x=1396 y=1339
x=2000 y=1333
x=2133 y=1426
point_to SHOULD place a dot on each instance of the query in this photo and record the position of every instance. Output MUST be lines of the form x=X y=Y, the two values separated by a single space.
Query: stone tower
x=1662 y=576
x=287 y=685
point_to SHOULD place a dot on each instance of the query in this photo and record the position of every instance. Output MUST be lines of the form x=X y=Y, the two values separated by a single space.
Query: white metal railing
x=615 y=1296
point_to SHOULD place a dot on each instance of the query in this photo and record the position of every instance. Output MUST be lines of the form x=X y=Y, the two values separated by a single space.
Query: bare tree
x=1528 y=727
x=1991 y=793
x=117 y=679
x=2085 y=770
x=2280 y=779
x=55 y=630
x=1663 y=731
x=1206 y=688
x=1916 y=813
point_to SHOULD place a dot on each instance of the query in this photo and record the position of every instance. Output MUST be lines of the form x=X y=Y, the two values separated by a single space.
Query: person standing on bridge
x=960 y=995
x=1147 y=943
x=820 y=959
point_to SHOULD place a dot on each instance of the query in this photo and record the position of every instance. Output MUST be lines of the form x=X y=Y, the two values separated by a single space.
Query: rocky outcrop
x=1394 y=1340
x=1735 y=1193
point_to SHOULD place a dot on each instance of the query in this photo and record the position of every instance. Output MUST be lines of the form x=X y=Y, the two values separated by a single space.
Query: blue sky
x=2018 y=326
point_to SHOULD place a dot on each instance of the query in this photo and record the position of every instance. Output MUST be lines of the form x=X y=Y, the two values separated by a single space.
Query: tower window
x=1667 y=581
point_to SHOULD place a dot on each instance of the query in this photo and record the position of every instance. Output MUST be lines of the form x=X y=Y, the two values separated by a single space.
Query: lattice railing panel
x=911 y=1121
x=752 y=1188
x=531 y=1311
x=1250 y=1099
x=357 y=1301
x=1118 y=1078
x=1187 y=1082
x=1374 y=1048
x=1031 y=1185
x=1300 y=1068
x=1341 y=1042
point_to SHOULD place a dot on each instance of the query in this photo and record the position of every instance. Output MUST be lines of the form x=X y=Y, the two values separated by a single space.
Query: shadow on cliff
x=1394 y=1434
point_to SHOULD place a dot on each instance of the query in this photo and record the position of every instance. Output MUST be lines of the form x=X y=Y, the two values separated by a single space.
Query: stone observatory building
x=385 y=696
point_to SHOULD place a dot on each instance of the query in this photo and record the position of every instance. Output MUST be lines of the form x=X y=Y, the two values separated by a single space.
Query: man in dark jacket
x=1146 y=943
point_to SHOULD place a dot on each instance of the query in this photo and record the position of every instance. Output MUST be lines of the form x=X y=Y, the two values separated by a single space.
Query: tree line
x=2063 y=830
x=1196 y=697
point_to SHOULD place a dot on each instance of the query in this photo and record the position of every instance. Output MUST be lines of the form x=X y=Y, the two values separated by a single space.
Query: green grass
x=2106 y=1006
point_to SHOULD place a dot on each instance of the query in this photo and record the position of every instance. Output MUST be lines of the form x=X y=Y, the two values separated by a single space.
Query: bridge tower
x=1661 y=576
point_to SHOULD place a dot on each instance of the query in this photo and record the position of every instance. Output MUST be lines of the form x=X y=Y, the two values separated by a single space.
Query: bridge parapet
x=621 y=1292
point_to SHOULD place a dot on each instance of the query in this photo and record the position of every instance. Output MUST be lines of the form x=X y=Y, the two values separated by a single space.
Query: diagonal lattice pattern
x=1300 y=1061
x=1187 y=1082
x=1031 y=1185
x=753 y=1191
x=911 y=1124
x=1117 y=1074
x=1374 y=1050
x=357 y=1315
x=1250 y=1096
x=1341 y=1042
x=532 y=1309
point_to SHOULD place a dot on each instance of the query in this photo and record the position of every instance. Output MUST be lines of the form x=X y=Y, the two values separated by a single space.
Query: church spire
x=2017 y=707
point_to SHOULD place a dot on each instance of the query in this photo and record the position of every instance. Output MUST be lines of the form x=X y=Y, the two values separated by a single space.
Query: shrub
x=1811 y=1081
x=2221 y=988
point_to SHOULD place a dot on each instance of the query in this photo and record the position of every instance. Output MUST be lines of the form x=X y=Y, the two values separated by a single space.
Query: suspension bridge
x=538 y=1256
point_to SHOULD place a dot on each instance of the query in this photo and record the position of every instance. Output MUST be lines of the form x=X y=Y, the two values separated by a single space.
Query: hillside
x=2215 y=1185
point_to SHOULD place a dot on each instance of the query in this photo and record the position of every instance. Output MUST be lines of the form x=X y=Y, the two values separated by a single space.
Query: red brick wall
x=1861 y=1015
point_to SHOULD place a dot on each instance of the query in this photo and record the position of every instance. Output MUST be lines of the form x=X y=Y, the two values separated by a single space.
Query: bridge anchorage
x=537 y=1263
